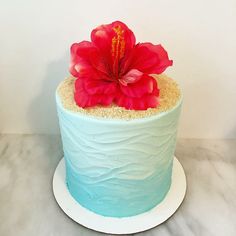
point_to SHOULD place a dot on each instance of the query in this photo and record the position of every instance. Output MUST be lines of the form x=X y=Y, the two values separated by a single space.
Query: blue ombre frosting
x=116 y=167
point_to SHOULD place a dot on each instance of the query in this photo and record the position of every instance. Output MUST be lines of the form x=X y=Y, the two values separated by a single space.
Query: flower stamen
x=117 y=48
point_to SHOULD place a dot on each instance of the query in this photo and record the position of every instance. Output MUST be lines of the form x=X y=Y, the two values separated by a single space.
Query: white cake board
x=125 y=225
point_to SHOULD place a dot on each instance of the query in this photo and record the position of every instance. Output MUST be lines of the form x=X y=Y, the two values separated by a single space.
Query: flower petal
x=88 y=98
x=114 y=41
x=78 y=64
x=131 y=77
x=164 y=61
x=100 y=87
x=85 y=56
x=145 y=85
x=102 y=36
x=142 y=103
x=147 y=58
x=140 y=95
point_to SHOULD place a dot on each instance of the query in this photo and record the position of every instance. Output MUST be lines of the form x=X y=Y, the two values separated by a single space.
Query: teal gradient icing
x=116 y=167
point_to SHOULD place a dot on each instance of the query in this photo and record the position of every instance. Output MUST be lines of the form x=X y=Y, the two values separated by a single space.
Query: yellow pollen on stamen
x=118 y=43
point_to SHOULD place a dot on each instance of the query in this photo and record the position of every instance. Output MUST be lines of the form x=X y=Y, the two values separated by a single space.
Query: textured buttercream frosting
x=118 y=167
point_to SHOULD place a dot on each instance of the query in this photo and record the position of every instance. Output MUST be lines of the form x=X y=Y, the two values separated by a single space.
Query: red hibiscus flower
x=113 y=69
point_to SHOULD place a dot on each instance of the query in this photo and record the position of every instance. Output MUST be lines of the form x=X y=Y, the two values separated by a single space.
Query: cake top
x=170 y=95
x=113 y=70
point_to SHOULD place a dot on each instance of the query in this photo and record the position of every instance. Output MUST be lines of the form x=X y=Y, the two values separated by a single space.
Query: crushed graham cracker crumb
x=169 y=96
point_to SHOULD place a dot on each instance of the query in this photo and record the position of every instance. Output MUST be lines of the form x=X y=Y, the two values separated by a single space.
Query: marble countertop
x=28 y=207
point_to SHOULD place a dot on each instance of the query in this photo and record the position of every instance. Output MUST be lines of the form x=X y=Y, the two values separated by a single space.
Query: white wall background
x=200 y=37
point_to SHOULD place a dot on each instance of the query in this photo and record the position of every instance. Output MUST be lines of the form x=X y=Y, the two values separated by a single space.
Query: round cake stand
x=125 y=225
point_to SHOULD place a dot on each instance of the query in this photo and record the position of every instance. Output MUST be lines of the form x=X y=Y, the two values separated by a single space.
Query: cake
x=118 y=116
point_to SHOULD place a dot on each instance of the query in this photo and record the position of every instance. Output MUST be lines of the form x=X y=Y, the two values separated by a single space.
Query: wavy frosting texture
x=118 y=168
